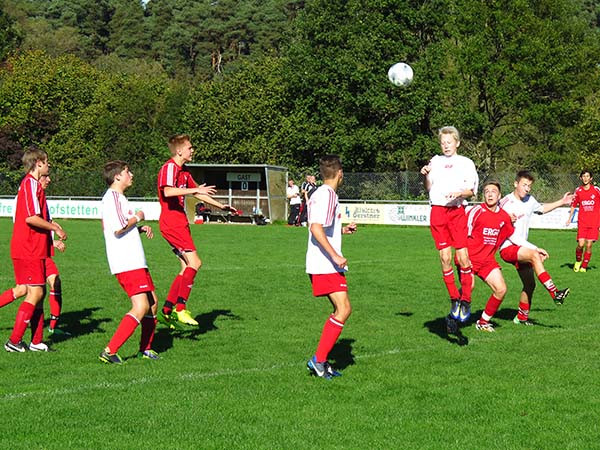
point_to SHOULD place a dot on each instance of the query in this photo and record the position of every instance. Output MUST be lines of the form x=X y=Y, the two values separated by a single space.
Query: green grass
x=240 y=381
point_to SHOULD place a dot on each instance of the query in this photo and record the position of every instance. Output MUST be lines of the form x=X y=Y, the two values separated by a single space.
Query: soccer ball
x=400 y=74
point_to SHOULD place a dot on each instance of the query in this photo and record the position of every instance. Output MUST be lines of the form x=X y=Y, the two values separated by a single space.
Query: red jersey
x=487 y=231
x=172 y=209
x=589 y=206
x=30 y=242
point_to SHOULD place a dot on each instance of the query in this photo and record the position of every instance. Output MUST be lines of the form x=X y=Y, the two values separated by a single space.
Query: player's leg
x=128 y=324
x=531 y=256
x=467 y=281
x=191 y=263
x=33 y=297
x=10 y=295
x=331 y=332
x=587 y=255
x=578 y=253
x=148 y=328
x=496 y=282
x=525 y=272
x=443 y=240
x=55 y=301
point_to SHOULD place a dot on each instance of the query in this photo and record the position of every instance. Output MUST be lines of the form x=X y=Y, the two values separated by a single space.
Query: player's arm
x=203 y=189
x=318 y=232
x=211 y=201
x=40 y=222
x=131 y=223
x=425 y=170
x=571 y=213
x=565 y=200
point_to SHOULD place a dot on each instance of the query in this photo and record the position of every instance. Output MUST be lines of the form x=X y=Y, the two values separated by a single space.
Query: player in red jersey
x=174 y=183
x=29 y=248
x=587 y=198
x=450 y=180
x=488 y=227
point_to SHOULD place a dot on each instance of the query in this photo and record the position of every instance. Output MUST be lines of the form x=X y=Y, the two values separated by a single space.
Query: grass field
x=239 y=380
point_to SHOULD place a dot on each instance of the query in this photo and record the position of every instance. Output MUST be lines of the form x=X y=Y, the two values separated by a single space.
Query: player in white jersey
x=451 y=179
x=521 y=205
x=325 y=263
x=127 y=262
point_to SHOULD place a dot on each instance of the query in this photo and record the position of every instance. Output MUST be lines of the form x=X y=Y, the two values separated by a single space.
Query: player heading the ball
x=451 y=179
x=175 y=182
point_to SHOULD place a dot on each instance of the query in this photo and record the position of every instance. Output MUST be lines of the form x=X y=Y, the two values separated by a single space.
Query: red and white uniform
x=588 y=217
x=172 y=209
x=451 y=174
x=488 y=229
x=324 y=209
x=124 y=253
x=29 y=242
x=523 y=210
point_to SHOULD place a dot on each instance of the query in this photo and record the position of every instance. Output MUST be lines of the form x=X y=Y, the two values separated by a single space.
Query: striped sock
x=330 y=334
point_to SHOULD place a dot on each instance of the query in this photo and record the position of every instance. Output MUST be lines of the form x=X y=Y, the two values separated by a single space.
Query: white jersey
x=293 y=193
x=324 y=209
x=126 y=252
x=522 y=210
x=451 y=174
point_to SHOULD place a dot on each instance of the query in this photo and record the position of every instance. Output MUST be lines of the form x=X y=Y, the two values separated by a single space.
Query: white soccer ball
x=400 y=74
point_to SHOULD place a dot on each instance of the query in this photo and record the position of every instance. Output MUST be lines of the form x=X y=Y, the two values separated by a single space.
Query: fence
x=408 y=186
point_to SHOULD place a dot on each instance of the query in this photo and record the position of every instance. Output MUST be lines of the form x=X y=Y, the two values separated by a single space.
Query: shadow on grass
x=404 y=313
x=509 y=314
x=341 y=354
x=79 y=323
x=163 y=338
x=570 y=266
x=438 y=327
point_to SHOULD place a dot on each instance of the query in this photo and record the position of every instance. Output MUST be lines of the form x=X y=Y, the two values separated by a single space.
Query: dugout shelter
x=247 y=187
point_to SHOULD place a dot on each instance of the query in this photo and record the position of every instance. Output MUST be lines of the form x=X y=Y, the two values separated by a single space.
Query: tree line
x=281 y=82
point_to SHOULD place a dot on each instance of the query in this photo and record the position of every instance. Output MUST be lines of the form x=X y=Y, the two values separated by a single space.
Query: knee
x=500 y=292
x=343 y=313
x=19 y=290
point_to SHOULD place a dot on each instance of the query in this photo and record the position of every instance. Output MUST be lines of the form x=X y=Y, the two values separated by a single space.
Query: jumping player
x=488 y=227
x=451 y=179
x=325 y=263
x=520 y=204
x=127 y=262
x=29 y=248
x=587 y=198
x=174 y=183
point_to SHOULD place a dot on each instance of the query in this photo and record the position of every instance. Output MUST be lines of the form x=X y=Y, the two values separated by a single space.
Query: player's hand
x=231 y=209
x=140 y=215
x=543 y=253
x=453 y=195
x=148 y=230
x=426 y=169
x=206 y=190
x=513 y=217
x=60 y=233
x=567 y=198
x=340 y=261
x=349 y=229
x=59 y=245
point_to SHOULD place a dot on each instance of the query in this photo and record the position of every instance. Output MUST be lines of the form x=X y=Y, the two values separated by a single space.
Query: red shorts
x=51 y=268
x=30 y=271
x=484 y=268
x=587 y=233
x=328 y=283
x=448 y=226
x=510 y=255
x=135 y=281
x=180 y=239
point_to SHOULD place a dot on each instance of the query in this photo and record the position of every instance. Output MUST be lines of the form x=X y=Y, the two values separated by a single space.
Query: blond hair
x=31 y=156
x=176 y=141
x=449 y=130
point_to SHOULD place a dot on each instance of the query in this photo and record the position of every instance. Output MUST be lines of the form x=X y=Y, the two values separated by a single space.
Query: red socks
x=586 y=259
x=37 y=324
x=546 y=280
x=449 y=281
x=330 y=334
x=523 y=313
x=491 y=307
x=466 y=282
x=55 y=301
x=124 y=331
x=7 y=297
x=578 y=253
x=187 y=281
x=23 y=318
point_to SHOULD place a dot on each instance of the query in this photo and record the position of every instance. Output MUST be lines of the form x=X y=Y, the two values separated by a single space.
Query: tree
x=9 y=36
